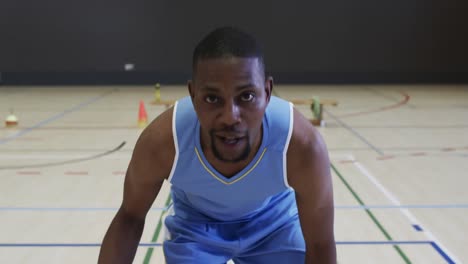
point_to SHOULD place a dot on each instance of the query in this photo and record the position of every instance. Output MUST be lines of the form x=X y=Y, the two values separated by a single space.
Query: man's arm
x=309 y=175
x=150 y=164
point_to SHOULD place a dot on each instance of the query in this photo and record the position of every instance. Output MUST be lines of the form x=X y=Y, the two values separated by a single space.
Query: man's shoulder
x=305 y=138
x=159 y=131
x=307 y=152
x=155 y=146
x=303 y=129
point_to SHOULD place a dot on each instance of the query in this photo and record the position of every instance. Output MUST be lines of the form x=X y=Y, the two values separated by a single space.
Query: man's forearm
x=121 y=240
x=321 y=254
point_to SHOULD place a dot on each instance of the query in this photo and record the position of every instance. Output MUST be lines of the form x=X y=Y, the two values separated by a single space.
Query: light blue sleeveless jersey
x=200 y=193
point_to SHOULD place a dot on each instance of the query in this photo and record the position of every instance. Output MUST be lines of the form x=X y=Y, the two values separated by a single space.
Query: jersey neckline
x=241 y=174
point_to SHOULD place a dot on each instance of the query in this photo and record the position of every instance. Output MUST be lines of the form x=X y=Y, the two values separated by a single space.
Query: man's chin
x=228 y=154
x=231 y=160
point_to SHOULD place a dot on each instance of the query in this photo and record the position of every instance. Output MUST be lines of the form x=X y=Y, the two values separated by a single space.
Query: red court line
x=386 y=157
x=30 y=139
x=448 y=149
x=405 y=100
x=419 y=154
x=71 y=173
x=346 y=161
x=81 y=127
x=28 y=173
x=76 y=173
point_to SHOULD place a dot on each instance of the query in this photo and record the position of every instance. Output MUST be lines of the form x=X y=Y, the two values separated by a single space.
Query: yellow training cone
x=11 y=120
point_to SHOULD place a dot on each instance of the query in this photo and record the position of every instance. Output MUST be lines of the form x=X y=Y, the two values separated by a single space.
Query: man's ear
x=268 y=87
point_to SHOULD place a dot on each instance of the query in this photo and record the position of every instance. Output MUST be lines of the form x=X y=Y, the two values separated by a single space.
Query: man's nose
x=230 y=113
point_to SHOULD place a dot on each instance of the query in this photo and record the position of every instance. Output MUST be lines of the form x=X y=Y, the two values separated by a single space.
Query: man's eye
x=247 y=97
x=211 y=99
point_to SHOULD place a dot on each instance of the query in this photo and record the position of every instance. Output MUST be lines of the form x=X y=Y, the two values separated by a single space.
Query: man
x=250 y=175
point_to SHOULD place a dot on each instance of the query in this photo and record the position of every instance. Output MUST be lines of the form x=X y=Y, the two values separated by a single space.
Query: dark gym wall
x=333 y=41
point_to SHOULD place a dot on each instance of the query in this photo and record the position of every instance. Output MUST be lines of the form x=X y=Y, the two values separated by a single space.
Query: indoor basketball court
x=399 y=160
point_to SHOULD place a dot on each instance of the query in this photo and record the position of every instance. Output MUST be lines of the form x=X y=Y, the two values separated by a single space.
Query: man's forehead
x=248 y=69
x=229 y=61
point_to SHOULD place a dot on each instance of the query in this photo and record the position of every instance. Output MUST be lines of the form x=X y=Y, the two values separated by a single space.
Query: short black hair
x=227 y=42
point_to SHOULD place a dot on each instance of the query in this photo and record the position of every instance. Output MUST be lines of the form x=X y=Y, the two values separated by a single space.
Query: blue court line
x=408 y=206
x=341 y=207
x=68 y=209
x=361 y=137
x=433 y=244
x=53 y=118
x=160 y=244
x=68 y=244
x=442 y=253
x=74 y=208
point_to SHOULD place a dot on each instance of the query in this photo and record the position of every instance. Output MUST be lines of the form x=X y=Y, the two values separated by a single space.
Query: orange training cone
x=142 y=116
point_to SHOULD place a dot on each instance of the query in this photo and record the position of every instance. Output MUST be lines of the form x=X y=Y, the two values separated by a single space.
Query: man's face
x=230 y=96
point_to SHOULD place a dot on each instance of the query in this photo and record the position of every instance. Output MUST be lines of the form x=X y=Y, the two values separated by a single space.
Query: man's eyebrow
x=243 y=86
x=208 y=88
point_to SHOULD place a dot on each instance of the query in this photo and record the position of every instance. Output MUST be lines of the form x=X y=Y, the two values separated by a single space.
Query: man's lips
x=230 y=139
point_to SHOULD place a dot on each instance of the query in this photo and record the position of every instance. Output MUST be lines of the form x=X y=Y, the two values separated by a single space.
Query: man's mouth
x=230 y=140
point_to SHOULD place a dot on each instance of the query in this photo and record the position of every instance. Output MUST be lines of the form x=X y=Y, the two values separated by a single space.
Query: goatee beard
x=243 y=156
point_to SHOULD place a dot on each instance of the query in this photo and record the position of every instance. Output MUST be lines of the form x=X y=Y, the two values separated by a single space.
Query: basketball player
x=250 y=175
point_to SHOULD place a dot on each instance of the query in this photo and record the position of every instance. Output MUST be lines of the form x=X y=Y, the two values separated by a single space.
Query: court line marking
x=370 y=214
x=353 y=131
x=381 y=94
x=55 y=117
x=59 y=155
x=394 y=200
x=406 y=99
x=19 y=156
x=149 y=251
x=412 y=127
x=340 y=207
x=63 y=162
x=153 y=245
x=400 y=152
x=408 y=206
x=107 y=127
x=62 y=150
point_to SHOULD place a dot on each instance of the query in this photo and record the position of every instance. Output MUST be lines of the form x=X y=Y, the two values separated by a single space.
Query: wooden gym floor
x=399 y=163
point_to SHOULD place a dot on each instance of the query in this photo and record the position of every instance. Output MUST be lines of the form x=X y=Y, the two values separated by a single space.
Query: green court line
x=149 y=251
x=371 y=215
x=356 y=196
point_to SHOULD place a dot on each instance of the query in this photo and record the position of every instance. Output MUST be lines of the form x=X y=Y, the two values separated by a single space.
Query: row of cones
x=12 y=121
